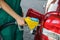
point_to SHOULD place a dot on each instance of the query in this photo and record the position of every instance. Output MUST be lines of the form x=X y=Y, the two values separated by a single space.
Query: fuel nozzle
x=32 y=23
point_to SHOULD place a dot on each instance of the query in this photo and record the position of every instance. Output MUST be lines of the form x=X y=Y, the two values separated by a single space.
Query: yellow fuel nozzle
x=31 y=22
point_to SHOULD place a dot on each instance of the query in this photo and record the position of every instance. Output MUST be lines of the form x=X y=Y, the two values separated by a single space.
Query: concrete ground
x=27 y=35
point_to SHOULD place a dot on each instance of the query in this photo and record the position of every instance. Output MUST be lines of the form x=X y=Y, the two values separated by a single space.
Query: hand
x=20 y=21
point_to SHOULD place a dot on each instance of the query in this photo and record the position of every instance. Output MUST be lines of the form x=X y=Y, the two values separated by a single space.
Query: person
x=51 y=5
x=10 y=10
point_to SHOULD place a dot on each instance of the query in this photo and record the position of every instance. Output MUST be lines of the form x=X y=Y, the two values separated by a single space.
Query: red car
x=46 y=21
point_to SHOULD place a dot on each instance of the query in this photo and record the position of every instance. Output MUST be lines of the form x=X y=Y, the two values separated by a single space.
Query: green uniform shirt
x=12 y=32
